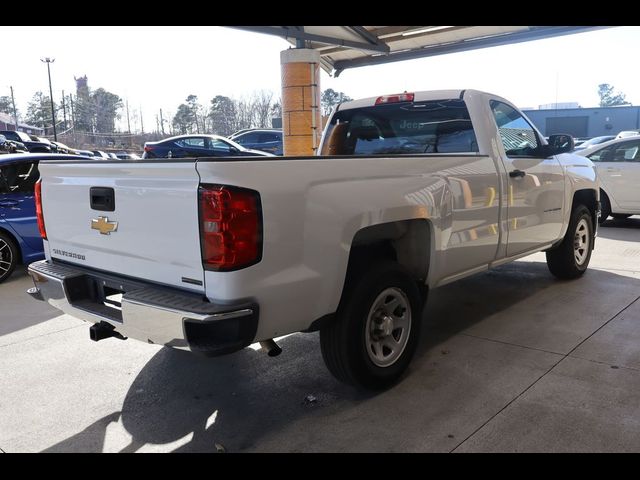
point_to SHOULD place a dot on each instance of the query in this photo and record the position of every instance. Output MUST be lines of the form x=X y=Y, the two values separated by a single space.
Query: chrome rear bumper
x=145 y=311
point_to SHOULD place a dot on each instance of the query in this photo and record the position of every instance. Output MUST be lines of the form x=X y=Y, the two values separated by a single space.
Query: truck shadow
x=184 y=403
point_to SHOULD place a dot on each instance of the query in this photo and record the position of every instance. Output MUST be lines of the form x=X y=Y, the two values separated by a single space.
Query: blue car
x=20 y=240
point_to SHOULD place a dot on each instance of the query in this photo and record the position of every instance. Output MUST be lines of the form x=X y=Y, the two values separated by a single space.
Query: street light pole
x=48 y=61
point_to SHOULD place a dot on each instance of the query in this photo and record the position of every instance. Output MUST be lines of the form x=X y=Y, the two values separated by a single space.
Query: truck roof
x=418 y=97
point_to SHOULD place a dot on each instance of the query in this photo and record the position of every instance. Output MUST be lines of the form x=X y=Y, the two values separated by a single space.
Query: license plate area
x=101 y=296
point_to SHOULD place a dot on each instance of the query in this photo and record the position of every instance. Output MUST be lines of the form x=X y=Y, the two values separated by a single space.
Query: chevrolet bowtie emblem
x=104 y=225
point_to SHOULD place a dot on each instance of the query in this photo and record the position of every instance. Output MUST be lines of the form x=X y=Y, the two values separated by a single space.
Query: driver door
x=534 y=195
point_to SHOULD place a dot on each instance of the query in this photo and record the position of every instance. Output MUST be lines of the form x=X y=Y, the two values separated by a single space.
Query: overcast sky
x=157 y=67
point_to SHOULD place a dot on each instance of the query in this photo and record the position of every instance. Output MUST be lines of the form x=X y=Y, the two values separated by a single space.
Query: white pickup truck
x=409 y=192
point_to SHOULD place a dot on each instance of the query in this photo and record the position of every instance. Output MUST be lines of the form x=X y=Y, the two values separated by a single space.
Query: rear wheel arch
x=407 y=242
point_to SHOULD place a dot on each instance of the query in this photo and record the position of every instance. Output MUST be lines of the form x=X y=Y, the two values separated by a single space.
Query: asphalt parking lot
x=510 y=360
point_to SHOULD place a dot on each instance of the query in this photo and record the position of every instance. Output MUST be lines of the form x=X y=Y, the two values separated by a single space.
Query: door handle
x=8 y=203
x=517 y=173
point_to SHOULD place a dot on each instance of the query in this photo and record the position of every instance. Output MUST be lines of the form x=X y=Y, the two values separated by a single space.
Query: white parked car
x=627 y=133
x=618 y=165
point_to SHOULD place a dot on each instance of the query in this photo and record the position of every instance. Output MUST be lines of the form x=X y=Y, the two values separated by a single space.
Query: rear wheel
x=375 y=334
x=8 y=256
x=605 y=207
x=571 y=258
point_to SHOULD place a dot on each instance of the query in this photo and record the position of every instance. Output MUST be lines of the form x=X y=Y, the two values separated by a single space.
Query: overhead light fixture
x=423 y=30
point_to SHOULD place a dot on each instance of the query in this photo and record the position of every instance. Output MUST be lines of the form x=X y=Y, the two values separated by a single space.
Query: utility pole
x=73 y=119
x=129 y=125
x=157 y=125
x=49 y=61
x=141 y=120
x=64 y=111
x=15 y=112
x=161 y=122
x=128 y=121
x=73 y=115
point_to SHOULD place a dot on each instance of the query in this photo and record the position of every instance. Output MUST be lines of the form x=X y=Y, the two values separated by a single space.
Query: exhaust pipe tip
x=102 y=330
x=271 y=347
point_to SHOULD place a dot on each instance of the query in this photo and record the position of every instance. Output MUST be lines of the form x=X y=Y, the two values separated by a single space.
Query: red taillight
x=39 y=215
x=148 y=148
x=230 y=227
x=400 y=97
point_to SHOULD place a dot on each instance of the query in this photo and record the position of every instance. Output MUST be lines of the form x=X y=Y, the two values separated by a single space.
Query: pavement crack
x=511 y=344
x=543 y=375
x=622 y=367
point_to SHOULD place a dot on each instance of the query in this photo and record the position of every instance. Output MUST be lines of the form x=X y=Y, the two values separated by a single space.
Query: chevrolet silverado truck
x=409 y=192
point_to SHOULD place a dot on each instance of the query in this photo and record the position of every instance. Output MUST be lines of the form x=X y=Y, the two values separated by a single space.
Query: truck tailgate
x=155 y=205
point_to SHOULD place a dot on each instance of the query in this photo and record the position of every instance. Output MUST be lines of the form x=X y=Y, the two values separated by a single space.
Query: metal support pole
x=49 y=61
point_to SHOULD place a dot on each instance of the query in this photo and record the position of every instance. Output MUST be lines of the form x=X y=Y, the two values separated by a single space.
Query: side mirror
x=3 y=139
x=560 y=143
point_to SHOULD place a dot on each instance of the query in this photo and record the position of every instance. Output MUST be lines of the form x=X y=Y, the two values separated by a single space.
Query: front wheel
x=8 y=256
x=571 y=258
x=374 y=335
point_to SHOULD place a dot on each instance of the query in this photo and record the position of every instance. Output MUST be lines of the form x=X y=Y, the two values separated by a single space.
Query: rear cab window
x=435 y=126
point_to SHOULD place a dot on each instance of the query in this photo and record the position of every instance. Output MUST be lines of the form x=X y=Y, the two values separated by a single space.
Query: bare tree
x=261 y=104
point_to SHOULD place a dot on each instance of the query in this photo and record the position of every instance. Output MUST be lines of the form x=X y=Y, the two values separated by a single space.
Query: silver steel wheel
x=581 y=242
x=388 y=327
x=6 y=257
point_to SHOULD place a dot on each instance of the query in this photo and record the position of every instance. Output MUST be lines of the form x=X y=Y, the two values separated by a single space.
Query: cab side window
x=517 y=135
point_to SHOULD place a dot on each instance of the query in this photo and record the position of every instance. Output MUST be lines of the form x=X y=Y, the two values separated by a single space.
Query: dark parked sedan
x=265 y=139
x=33 y=146
x=11 y=146
x=198 y=146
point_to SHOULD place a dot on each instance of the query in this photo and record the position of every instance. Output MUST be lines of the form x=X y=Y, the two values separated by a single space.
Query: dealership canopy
x=348 y=47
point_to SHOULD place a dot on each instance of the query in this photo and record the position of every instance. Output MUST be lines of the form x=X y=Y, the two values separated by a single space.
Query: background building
x=7 y=123
x=586 y=122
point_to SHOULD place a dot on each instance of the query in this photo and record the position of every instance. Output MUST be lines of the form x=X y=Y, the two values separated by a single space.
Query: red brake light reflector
x=230 y=227
x=39 y=215
x=396 y=98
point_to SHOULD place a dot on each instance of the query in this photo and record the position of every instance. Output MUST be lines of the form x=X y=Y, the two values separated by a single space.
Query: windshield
x=596 y=141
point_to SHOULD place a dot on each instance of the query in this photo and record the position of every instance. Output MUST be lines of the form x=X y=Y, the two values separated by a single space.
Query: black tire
x=605 y=207
x=9 y=256
x=620 y=216
x=567 y=260
x=346 y=344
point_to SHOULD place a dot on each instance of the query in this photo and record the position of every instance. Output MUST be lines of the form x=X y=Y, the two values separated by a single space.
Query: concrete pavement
x=510 y=360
